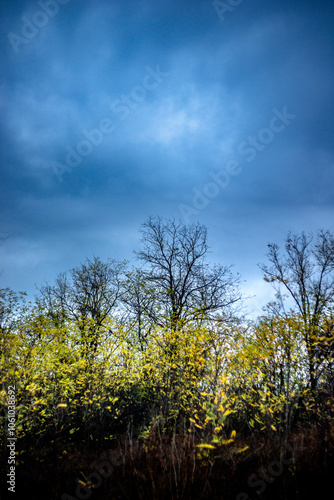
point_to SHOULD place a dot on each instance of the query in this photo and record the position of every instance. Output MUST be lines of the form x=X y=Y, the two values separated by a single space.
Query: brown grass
x=162 y=467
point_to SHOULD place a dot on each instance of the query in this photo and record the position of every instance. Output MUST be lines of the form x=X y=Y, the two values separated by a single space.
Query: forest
x=151 y=382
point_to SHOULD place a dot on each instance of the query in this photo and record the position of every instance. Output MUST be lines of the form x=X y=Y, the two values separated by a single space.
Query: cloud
x=223 y=81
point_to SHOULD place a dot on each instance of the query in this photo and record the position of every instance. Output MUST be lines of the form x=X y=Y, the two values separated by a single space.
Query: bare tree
x=87 y=295
x=13 y=308
x=306 y=273
x=138 y=304
x=185 y=285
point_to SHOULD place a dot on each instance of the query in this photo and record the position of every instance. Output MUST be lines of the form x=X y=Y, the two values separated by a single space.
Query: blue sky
x=113 y=111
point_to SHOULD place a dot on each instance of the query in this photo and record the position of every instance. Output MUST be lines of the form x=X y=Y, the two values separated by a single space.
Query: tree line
x=106 y=347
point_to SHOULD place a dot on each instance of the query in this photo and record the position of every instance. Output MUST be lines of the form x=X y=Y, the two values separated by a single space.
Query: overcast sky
x=112 y=111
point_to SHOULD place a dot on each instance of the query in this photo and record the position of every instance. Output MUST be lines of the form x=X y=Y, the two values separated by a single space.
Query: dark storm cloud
x=85 y=73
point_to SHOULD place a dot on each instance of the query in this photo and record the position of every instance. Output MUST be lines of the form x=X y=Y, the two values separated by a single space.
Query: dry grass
x=172 y=466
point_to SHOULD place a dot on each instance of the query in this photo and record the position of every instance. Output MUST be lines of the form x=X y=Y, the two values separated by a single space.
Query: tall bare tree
x=186 y=286
x=87 y=295
x=306 y=273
